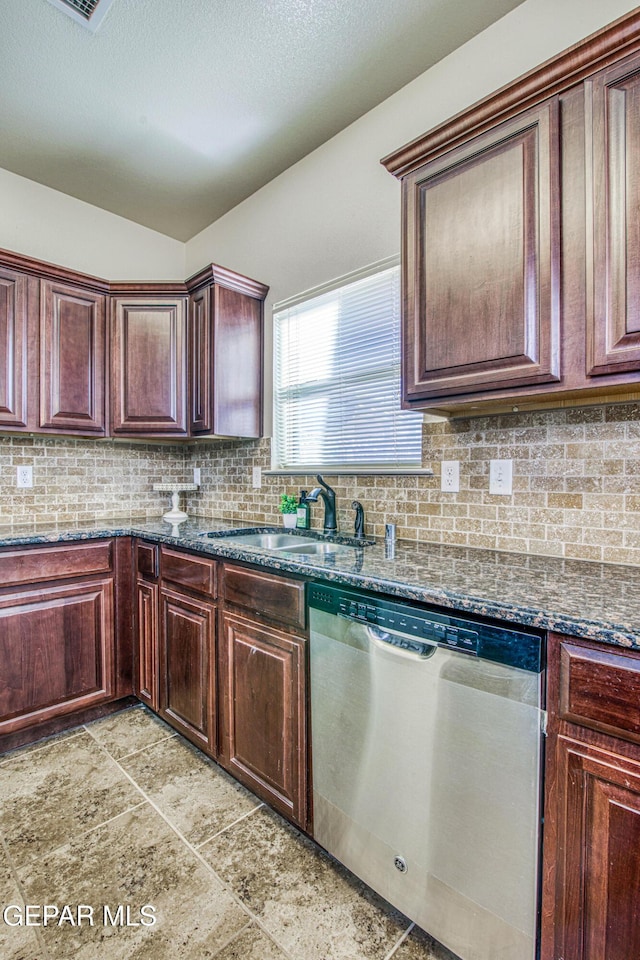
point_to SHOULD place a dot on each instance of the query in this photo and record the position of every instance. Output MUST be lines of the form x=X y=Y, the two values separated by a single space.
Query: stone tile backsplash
x=576 y=483
x=75 y=480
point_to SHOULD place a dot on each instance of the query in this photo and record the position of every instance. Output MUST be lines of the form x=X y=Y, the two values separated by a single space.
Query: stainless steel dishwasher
x=427 y=745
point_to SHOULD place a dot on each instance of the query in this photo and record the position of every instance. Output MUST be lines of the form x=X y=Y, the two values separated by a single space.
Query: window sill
x=350 y=472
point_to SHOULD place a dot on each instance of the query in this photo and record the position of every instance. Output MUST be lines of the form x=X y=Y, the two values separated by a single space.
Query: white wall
x=44 y=223
x=338 y=209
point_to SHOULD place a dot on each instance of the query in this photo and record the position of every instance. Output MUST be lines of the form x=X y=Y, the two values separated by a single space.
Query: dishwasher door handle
x=382 y=640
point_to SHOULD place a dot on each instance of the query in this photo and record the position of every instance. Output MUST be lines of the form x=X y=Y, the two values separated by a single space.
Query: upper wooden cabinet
x=521 y=244
x=148 y=365
x=613 y=229
x=482 y=262
x=72 y=358
x=52 y=361
x=181 y=359
x=225 y=353
x=14 y=340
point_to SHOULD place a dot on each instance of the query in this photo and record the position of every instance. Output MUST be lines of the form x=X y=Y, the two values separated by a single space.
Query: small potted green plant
x=288 y=507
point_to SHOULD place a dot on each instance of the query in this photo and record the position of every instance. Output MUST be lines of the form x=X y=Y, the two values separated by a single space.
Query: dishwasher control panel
x=511 y=646
x=420 y=627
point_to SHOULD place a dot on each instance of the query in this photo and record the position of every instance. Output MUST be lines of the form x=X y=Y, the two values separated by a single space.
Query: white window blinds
x=337 y=380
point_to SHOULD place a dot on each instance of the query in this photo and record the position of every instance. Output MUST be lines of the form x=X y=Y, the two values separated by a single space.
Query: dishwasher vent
x=90 y=13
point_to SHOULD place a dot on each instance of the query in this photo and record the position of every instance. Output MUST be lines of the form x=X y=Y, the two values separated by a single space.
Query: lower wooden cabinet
x=148 y=674
x=240 y=693
x=176 y=640
x=63 y=635
x=263 y=713
x=187 y=673
x=592 y=824
x=56 y=652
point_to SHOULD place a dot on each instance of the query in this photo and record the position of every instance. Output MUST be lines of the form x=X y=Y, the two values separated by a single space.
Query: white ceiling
x=173 y=111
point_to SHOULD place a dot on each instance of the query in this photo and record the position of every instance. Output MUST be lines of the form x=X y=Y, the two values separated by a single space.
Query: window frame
x=354 y=469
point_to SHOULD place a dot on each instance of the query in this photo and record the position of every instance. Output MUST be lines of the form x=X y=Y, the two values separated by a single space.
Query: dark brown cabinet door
x=225 y=354
x=14 y=338
x=237 y=347
x=149 y=385
x=72 y=359
x=200 y=362
x=599 y=871
x=56 y=652
x=613 y=228
x=148 y=639
x=481 y=266
x=263 y=713
x=591 y=852
x=187 y=666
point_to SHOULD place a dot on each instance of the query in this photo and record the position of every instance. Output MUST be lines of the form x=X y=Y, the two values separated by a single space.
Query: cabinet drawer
x=55 y=562
x=195 y=573
x=600 y=689
x=267 y=595
x=147 y=560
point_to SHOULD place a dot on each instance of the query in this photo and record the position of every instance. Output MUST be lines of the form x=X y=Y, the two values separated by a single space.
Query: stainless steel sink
x=291 y=543
x=316 y=549
x=276 y=541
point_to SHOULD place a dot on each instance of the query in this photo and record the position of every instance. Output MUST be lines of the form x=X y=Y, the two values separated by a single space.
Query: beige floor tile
x=128 y=731
x=16 y=942
x=50 y=796
x=252 y=944
x=38 y=745
x=135 y=860
x=194 y=793
x=420 y=946
x=313 y=907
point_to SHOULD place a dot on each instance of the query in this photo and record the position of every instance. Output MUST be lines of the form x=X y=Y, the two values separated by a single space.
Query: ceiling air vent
x=90 y=13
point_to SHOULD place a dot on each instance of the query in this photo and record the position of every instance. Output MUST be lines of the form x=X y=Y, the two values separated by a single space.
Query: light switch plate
x=501 y=477
x=257 y=477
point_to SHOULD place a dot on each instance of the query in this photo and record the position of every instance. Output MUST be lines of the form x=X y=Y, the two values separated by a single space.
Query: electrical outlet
x=257 y=477
x=450 y=476
x=501 y=476
x=24 y=476
x=196 y=475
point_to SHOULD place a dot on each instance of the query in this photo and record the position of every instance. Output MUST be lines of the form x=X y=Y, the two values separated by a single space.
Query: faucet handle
x=359 y=521
x=323 y=482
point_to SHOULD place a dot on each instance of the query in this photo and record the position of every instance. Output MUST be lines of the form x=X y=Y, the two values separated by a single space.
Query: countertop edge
x=607 y=632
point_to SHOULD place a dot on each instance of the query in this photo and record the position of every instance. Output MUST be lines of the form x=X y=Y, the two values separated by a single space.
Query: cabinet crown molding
x=222 y=276
x=554 y=76
x=51 y=271
x=212 y=273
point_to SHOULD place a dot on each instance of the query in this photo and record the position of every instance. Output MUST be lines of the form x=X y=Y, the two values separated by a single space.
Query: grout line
x=148 y=746
x=76 y=836
x=19 y=885
x=396 y=947
x=228 y=942
x=198 y=846
x=223 y=883
x=29 y=750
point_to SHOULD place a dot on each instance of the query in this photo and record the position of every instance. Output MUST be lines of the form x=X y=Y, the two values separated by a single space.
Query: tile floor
x=123 y=812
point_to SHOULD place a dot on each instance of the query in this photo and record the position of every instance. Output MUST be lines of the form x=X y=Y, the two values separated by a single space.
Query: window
x=337 y=379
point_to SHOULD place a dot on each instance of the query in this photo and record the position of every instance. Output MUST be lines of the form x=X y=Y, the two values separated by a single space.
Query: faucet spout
x=329 y=498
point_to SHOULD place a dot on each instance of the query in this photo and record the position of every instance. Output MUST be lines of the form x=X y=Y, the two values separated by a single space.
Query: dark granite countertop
x=596 y=601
